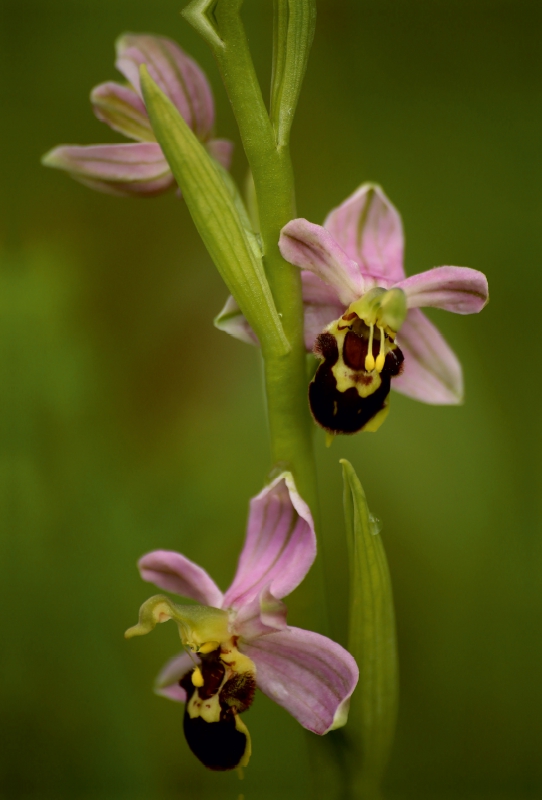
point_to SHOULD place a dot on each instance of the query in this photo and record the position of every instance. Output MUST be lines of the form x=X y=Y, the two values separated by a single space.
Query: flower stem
x=285 y=382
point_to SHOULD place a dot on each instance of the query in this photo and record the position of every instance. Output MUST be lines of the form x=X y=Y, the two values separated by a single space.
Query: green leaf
x=371 y=639
x=293 y=32
x=214 y=207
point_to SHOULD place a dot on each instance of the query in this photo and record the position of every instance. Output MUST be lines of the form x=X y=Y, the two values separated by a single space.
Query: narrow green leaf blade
x=212 y=205
x=293 y=32
x=372 y=639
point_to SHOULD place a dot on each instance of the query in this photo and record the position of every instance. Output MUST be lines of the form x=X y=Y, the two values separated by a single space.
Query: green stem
x=285 y=382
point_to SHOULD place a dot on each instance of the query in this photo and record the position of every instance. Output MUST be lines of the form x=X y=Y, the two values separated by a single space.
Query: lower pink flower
x=240 y=640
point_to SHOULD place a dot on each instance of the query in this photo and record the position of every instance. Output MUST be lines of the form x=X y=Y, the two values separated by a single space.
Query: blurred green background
x=129 y=423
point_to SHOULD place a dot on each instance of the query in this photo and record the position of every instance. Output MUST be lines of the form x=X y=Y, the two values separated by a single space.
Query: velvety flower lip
x=141 y=170
x=306 y=673
x=360 y=247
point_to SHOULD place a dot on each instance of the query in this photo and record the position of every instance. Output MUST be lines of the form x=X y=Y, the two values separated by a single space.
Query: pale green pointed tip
x=197 y=625
x=341 y=715
x=136 y=630
x=51 y=159
x=196 y=13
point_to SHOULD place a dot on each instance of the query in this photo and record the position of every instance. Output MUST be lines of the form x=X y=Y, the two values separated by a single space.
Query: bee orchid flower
x=362 y=314
x=239 y=641
x=140 y=169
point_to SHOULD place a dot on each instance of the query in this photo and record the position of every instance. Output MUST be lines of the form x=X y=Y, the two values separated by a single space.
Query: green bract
x=293 y=32
x=371 y=637
x=216 y=217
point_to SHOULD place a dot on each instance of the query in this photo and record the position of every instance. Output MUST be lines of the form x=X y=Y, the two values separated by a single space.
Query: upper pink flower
x=141 y=169
x=360 y=247
x=241 y=639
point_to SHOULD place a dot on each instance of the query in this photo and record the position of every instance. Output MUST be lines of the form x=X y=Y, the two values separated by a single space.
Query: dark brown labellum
x=212 y=727
x=351 y=408
x=220 y=746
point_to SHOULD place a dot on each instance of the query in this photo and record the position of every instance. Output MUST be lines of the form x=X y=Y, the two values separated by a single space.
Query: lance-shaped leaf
x=372 y=639
x=215 y=215
x=293 y=32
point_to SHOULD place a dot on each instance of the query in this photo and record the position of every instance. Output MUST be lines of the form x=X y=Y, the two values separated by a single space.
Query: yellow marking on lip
x=197 y=678
x=208 y=647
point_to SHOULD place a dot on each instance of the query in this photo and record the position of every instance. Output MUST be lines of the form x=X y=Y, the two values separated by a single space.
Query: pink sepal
x=176 y=74
x=280 y=544
x=264 y=614
x=175 y=573
x=122 y=109
x=432 y=372
x=309 y=675
x=369 y=229
x=311 y=247
x=458 y=289
x=122 y=169
x=167 y=680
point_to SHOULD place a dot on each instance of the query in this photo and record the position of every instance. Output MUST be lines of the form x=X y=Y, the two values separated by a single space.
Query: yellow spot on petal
x=197 y=677
x=240 y=725
x=208 y=647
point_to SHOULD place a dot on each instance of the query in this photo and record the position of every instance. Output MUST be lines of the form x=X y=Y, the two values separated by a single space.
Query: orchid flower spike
x=239 y=641
x=140 y=169
x=357 y=299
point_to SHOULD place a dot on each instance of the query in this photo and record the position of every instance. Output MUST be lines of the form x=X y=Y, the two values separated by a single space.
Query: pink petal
x=231 y=320
x=123 y=110
x=458 y=289
x=369 y=230
x=175 y=573
x=432 y=372
x=221 y=150
x=280 y=544
x=322 y=306
x=263 y=615
x=176 y=74
x=306 y=673
x=167 y=681
x=122 y=169
x=311 y=247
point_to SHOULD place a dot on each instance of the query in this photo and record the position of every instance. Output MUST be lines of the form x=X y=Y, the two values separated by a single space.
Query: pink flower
x=240 y=640
x=141 y=170
x=350 y=265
